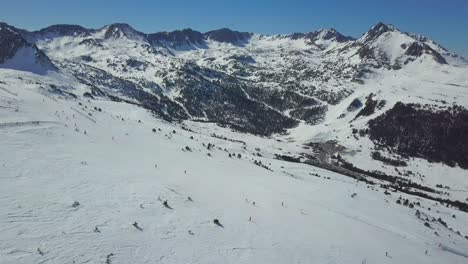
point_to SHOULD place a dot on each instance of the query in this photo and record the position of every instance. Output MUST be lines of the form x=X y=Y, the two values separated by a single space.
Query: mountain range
x=249 y=82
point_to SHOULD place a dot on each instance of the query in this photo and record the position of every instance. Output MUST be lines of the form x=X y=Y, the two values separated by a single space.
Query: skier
x=216 y=222
x=137 y=226
x=166 y=205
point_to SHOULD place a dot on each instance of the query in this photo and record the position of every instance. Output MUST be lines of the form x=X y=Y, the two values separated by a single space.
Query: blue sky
x=445 y=21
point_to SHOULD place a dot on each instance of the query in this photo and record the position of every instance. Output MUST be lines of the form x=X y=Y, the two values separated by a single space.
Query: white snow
x=25 y=59
x=47 y=163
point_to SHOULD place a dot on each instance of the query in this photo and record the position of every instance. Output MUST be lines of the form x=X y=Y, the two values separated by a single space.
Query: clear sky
x=445 y=21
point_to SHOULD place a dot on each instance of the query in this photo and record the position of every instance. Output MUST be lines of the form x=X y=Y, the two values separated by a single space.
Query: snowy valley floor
x=120 y=172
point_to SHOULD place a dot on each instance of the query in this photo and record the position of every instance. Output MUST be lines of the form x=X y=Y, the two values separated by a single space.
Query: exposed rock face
x=354 y=105
x=374 y=50
x=10 y=42
x=177 y=38
x=327 y=34
x=370 y=106
x=63 y=30
x=415 y=131
x=377 y=30
x=417 y=49
x=92 y=42
x=17 y=53
x=228 y=36
x=323 y=34
x=119 y=30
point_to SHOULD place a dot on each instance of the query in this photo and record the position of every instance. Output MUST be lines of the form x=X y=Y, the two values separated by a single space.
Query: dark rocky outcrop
x=62 y=30
x=328 y=34
x=118 y=30
x=177 y=38
x=377 y=30
x=323 y=34
x=369 y=108
x=417 y=49
x=228 y=36
x=354 y=105
x=91 y=42
x=12 y=40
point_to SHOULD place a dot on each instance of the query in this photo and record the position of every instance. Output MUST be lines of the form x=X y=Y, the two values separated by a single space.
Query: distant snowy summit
x=382 y=45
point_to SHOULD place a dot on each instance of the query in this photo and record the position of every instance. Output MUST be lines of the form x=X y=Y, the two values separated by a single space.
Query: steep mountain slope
x=17 y=53
x=387 y=46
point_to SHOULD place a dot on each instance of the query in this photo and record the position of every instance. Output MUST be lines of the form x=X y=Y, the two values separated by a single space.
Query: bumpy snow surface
x=84 y=181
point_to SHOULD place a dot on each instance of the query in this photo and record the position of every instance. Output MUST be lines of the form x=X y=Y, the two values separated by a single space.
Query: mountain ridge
x=65 y=29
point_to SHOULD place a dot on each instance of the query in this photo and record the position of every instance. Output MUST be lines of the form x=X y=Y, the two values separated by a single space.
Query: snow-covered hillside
x=119 y=146
x=105 y=156
x=17 y=53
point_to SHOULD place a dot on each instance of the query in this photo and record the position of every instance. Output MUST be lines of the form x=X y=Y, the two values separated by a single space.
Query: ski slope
x=56 y=151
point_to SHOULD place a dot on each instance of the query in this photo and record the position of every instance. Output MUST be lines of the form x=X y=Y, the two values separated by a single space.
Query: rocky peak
x=122 y=30
x=228 y=36
x=13 y=44
x=322 y=36
x=63 y=30
x=177 y=38
x=10 y=41
x=328 y=34
x=417 y=49
x=377 y=30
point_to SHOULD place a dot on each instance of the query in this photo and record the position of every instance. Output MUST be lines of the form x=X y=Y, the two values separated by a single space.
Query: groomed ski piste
x=85 y=181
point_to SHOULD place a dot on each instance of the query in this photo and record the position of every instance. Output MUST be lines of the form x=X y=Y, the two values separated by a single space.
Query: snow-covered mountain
x=290 y=141
x=17 y=53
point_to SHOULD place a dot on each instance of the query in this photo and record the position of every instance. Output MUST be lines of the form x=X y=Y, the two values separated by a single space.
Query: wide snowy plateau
x=118 y=146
